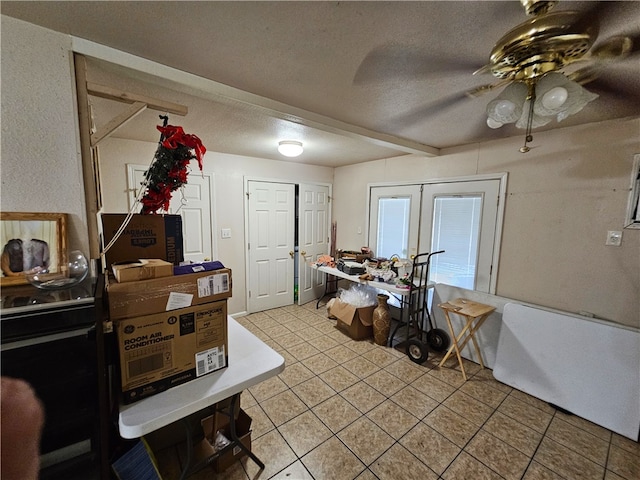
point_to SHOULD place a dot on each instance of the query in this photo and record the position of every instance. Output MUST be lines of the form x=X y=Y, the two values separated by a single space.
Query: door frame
x=502 y=191
x=248 y=178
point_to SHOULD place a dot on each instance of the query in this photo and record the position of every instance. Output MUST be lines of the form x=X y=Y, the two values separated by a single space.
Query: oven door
x=61 y=368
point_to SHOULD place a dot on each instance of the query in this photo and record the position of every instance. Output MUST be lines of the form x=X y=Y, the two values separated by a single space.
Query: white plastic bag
x=359 y=295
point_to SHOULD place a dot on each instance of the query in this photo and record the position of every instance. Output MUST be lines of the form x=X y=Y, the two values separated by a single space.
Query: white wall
x=41 y=169
x=562 y=198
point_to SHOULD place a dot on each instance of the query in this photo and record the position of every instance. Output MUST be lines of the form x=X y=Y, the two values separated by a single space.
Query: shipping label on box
x=145 y=236
x=167 y=349
x=133 y=299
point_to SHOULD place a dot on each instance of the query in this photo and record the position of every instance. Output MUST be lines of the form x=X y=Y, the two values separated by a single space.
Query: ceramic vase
x=381 y=321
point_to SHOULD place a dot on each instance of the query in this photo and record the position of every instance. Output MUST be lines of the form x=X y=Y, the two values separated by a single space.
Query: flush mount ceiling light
x=290 y=148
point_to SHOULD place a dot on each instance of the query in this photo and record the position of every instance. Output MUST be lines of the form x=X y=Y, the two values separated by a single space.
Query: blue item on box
x=197 y=267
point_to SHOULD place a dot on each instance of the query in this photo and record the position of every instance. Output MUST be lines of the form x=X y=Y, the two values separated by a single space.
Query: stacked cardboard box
x=170 y=330
x=143 y=269
x=134 y=299
x=145 y=236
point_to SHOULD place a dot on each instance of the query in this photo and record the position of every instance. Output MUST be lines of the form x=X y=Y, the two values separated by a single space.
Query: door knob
x=291 y=253
x=303 y=253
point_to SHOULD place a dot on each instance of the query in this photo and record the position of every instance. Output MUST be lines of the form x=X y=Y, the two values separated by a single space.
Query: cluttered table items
x=368 y=271
x=389 y=287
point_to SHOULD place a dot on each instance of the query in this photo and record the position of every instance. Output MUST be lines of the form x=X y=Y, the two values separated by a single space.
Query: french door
x=394 y=220
x=461 y=217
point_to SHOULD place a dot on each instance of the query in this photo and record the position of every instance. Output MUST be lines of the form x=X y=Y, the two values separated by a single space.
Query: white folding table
x=251 y=361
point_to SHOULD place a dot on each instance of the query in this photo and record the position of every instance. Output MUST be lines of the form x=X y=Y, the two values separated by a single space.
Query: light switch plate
x=225 y=233
x=614 y=238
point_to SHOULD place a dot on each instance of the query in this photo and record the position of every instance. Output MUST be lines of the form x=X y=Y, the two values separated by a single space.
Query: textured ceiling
x=308 y=60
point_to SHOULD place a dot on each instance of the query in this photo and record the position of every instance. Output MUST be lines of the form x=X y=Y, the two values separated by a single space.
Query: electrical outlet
x=614 y=238
x=225 y=233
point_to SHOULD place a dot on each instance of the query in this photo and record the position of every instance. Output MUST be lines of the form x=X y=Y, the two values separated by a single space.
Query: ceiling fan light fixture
x=554 y=98
x=507 y=107
x=558 y=96
x=577 y=103
x=290 y=148
x=491 y=123
x=531 y=118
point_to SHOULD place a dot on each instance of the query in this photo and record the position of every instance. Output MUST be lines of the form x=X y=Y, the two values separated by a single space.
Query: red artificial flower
x=174 y=136
x=174 y=170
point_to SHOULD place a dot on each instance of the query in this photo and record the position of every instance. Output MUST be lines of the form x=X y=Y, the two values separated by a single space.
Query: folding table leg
x=234 y=435
x=455 y=346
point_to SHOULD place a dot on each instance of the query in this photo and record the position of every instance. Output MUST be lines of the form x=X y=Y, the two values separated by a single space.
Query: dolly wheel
x=417 y=351
x=438 y=340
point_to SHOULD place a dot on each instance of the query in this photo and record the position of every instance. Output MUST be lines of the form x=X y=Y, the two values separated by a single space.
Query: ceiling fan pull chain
x=528 y=137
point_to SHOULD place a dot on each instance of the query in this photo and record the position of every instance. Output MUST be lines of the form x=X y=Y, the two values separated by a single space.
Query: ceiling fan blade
x=605 y=86
x=604 y=55
x=404 y=62
x=586 y=75
x=425 y=112
x=616 y=48
x=482 y=89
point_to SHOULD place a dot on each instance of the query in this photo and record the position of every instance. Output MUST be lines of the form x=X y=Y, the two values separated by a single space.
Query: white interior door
x=461 y=219
x=394 y=218
x=270 y=225
x=313 y=238
x=193 y=203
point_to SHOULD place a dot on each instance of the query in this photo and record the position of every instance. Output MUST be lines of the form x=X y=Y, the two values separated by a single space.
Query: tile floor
x=344 y=409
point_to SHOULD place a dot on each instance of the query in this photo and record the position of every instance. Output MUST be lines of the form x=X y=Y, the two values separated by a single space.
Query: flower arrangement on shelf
x=168 y=172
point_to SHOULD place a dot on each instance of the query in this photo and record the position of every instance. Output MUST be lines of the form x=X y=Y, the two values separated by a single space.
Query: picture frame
x=33 y=239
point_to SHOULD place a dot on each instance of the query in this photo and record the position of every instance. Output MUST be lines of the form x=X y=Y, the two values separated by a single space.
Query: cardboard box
x=355 y=322
x=143 y=269
x=135 y=299
x=175 y=433
x=167 y=349
x=220 y=422
x=145 y=236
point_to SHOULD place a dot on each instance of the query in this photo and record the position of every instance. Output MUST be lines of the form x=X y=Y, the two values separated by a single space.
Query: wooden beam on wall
x=115 y=123
x=89 y=172
x=109 y=93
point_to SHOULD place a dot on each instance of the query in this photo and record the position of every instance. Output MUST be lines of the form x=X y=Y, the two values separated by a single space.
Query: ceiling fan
x=542 y=64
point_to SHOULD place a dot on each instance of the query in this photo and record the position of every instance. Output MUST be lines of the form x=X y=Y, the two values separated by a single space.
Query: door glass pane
x=455 y=229
x=393 y=227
